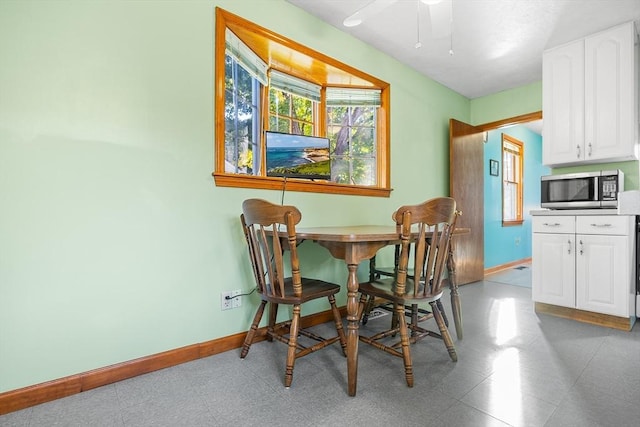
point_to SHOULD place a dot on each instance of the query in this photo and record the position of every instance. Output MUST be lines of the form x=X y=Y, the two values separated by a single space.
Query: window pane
x=352 y=136
x=240 y=113
x=512 y=152
x=345 y=170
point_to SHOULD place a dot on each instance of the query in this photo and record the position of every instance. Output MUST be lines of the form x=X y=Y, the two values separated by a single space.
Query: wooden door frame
x=517 y=120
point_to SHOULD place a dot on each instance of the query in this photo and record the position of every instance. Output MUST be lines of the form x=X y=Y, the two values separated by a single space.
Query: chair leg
x=252 y=331
x=367 y=309
x=446 y=337
x=414 y=319
x=293 y=342
x=362 y=307
x=404 y=340
x=396 y=315
x=273 y=315
x=338 y=321
x=444 y=315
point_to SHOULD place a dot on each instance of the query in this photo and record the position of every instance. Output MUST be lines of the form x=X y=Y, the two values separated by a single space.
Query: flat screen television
x=297 y=156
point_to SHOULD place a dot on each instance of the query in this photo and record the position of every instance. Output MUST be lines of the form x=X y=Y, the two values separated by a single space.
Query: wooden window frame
x=519 y=184
x=322 y=70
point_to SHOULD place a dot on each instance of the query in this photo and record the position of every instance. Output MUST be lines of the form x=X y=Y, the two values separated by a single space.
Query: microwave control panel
x=609 y=187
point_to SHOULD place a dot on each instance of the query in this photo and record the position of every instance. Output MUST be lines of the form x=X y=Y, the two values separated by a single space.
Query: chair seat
x=385 y=288
x=311 y=289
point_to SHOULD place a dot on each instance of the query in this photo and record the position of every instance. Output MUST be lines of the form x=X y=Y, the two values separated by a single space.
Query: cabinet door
x=563 y=104
x=610 y=90
x=553 y=269
x=602 y=274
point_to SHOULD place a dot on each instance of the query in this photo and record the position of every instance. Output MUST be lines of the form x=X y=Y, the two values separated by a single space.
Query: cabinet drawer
x=554 y=224
x=604 y=224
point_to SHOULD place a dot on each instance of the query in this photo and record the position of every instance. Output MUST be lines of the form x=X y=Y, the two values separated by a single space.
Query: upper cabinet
x=590 y=99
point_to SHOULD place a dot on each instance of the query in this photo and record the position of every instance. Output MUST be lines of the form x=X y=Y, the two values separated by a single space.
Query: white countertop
x=566 y=212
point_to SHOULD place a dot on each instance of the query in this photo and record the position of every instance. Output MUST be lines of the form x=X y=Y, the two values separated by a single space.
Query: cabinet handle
x=581 y=248
x=601 y=225
x=555 y=224
x=569 y=246
x=589 y=150
x=578 y=153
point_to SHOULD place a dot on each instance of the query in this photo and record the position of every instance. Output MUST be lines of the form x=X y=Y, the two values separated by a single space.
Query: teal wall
x=507 y=244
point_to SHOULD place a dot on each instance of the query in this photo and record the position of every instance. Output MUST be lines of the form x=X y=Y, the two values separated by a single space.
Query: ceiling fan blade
x=441 y=18
x=370 y=9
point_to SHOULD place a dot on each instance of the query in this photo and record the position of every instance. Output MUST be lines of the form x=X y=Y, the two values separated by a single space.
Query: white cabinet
x=554 y=264
x=604 y=264
x=585 y=262
x=590 y=101
x=563 y=104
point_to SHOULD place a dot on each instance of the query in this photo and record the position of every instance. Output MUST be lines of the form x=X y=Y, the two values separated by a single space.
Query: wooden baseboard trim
x=15 y=400
x=506 y=266
x=615 y=322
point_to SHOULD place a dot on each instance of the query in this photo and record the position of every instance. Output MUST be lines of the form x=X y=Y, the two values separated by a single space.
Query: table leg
x=352 y=329
x=453 y=288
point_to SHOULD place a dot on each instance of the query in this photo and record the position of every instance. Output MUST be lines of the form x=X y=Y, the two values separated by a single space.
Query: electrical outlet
x=225 y=301
x=237 y=299
x=230 y=299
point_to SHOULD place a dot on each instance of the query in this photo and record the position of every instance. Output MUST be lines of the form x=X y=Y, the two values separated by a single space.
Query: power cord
x=284 y=187
x=240 y=295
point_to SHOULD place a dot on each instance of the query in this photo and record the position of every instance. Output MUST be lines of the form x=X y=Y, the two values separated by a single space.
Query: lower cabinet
x=585 y=262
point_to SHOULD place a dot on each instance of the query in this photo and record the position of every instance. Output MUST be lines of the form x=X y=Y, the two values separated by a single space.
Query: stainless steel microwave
x=585 y=190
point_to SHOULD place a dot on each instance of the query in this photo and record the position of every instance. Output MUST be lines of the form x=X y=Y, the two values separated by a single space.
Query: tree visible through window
x=351 y=131
x=241 y=131
x=512 y=161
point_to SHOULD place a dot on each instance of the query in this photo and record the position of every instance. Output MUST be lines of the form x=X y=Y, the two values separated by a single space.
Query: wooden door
x=466 y=186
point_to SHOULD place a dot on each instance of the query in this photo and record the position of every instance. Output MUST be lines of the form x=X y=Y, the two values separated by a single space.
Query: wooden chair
x=415 y=312
x=261 y=222
x=435 y=217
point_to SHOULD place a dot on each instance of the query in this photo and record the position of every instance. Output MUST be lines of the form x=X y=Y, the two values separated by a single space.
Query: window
x=271 y=83
x=512 y=161
x=351 y=128
x=293 y=104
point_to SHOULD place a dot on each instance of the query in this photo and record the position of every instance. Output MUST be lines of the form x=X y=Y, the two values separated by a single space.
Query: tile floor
x=515 y=368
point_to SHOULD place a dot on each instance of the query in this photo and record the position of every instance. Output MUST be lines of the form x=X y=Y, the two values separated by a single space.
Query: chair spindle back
x=262 y=221
x=435 y=218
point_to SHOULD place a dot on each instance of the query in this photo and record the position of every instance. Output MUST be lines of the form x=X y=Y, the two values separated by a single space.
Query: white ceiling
x=497 y=44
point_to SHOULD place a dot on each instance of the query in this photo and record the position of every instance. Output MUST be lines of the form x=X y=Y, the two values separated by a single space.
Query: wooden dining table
x=354 y=244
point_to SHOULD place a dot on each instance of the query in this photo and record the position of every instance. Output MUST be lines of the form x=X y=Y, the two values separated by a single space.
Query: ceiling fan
x=440 y=13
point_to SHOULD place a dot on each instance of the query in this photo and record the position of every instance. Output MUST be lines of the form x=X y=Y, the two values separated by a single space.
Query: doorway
x=466 y=185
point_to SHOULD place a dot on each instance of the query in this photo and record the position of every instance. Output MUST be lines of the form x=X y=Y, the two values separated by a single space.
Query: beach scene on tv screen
x=297 y=156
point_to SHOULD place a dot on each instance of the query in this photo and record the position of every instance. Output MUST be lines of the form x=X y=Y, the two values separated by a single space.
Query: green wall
x=115 y=242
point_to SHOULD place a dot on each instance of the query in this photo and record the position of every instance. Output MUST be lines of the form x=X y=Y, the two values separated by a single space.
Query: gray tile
x=587 y=406
x=509 y=403
x=461 y=415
